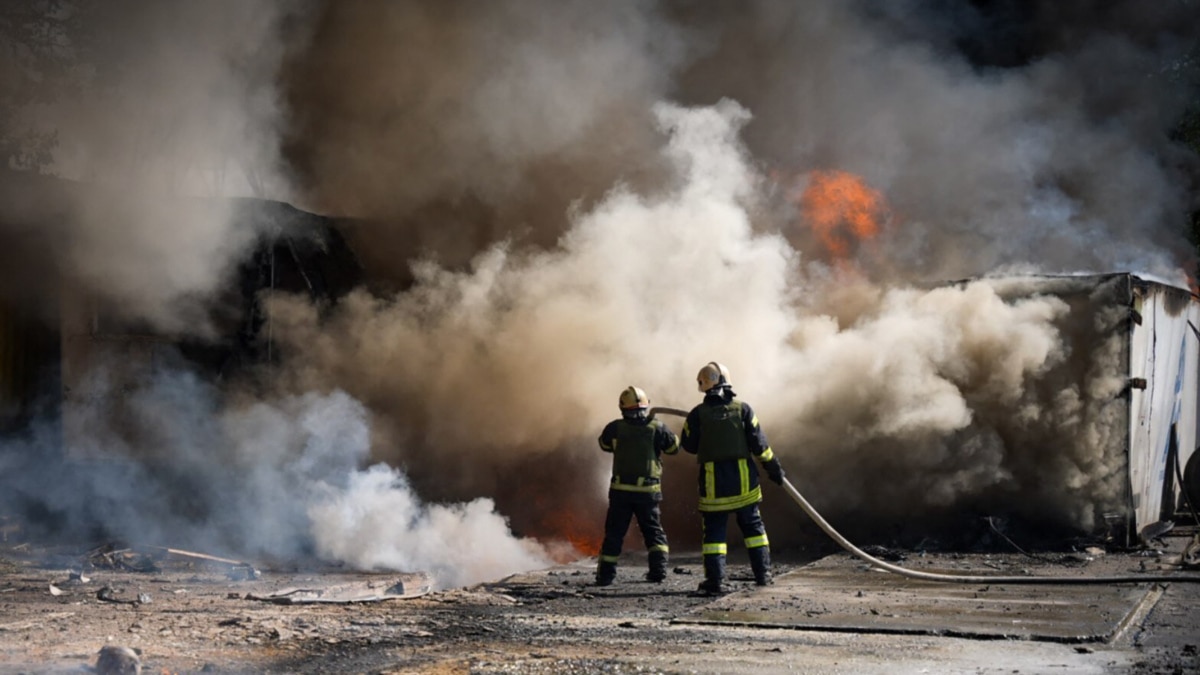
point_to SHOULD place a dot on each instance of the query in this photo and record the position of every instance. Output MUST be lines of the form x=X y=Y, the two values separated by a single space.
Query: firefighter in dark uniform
x=724 y=434
x=637 y=444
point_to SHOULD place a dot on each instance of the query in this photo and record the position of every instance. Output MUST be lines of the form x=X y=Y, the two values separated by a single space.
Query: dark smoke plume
x=557 y=200
x=1004 y=140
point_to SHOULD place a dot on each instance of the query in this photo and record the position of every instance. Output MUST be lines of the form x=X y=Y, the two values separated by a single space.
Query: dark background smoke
x=1026 y=136
x=554 y=200
x=1019 y=129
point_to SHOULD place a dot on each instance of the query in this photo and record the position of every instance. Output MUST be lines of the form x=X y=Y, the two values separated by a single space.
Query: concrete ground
x=836 y=615
x=831 y=615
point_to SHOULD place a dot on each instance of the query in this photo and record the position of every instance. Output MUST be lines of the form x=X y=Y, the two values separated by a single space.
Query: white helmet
x=633 y=398
x=712 y=375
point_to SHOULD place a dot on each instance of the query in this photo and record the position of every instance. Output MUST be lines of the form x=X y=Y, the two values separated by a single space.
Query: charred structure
x=73 y=359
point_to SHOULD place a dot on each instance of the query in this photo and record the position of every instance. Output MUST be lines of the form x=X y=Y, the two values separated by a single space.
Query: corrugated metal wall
x=1165 y=353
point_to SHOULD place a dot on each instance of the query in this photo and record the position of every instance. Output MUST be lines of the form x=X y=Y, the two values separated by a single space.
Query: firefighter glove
x=774 y=471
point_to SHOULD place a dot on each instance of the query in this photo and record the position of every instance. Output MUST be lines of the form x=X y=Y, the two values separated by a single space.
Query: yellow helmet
x=712 y=375
x=634 y=398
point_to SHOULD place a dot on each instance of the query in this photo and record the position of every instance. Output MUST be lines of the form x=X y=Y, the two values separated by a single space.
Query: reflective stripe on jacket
x=725 y=436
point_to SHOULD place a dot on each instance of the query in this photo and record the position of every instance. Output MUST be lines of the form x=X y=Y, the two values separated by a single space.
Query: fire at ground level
x=826 y=613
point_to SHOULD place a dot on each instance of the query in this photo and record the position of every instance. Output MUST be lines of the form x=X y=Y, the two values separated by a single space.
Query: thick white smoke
x=531 y=348
x=643 y=288
x=180 y=114
x=557 y=201
x=378 y=521
x=270 y=479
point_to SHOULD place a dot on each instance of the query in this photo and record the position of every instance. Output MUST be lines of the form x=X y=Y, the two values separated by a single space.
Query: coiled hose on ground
x=951 y=578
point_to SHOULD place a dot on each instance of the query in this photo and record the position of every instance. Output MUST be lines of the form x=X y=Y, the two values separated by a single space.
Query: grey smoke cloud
x=963 y=397
x=1063 y=162
x=266 y=479
x=378 y=521
x=445 y=126
x=557 y=200
x=914 y=393
x=174 y=110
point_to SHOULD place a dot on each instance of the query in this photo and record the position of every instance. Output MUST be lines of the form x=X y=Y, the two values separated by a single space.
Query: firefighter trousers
x=624 y=506
x=714 y=546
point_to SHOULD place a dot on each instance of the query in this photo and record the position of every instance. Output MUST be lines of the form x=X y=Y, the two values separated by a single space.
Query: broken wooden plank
x=239 y=570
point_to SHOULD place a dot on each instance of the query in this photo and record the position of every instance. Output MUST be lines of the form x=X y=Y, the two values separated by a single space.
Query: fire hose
x=943 y=577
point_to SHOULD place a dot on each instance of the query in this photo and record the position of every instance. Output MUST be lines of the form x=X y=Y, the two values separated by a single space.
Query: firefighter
x=637 y=444
x=724 y=434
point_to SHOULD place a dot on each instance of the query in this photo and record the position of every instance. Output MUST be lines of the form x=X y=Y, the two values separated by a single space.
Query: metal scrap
x=1191 y=555
x=108 y=594
x=412 y=586
x=1155 y=531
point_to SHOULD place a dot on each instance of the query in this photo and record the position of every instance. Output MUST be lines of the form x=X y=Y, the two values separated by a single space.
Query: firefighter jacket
x=724 y=434
x=637 y=445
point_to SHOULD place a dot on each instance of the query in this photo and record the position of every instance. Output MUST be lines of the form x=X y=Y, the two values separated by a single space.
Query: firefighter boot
x=606 y=573
x=658 y=567
x=760 y=562
x=714 y=576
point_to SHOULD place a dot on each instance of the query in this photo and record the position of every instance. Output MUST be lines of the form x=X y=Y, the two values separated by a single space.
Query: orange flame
x=837 y=204
x=560 y=523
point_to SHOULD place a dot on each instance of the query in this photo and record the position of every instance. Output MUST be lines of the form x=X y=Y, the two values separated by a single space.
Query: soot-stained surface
x=841 y=594
x=191 y=616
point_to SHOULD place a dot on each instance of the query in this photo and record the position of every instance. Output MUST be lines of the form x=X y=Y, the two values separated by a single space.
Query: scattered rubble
x=547 y=621
x=1190 y=558
x=409 y=586
x=109 y=594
